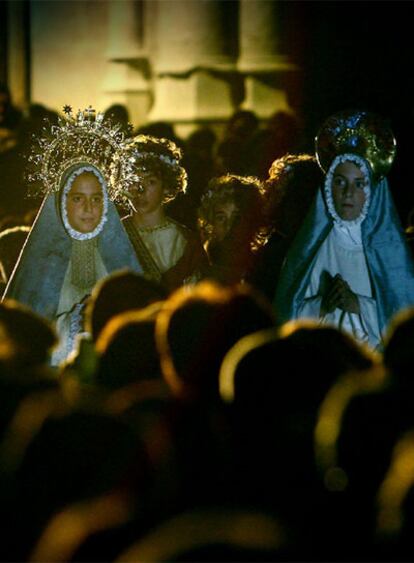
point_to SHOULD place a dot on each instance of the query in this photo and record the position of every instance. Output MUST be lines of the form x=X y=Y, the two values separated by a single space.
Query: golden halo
x=358 y=132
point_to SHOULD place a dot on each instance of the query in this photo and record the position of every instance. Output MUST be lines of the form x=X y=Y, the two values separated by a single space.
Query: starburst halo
x=86 y=137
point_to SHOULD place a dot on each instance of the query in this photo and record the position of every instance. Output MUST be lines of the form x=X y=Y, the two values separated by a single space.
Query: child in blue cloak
x=77 y=237
x=350 y=265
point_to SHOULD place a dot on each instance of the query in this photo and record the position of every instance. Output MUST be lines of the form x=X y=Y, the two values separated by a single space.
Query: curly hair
x=158 y=155
x=246 y=192
x=291 y=187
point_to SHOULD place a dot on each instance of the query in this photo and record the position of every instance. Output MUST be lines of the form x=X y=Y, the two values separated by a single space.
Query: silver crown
x=86 y=137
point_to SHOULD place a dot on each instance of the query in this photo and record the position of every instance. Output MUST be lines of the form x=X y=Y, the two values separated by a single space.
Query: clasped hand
x=339 y=295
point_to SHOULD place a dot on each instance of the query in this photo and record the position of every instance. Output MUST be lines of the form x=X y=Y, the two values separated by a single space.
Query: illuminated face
x=84 y=203
x=147 y=195
x=348 y=190
x=223 y=217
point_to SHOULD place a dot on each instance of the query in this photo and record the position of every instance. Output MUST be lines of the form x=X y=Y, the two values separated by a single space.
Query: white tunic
x=342 y=253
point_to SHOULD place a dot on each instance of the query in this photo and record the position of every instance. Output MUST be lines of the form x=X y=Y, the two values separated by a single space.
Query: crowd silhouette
x=191 y=423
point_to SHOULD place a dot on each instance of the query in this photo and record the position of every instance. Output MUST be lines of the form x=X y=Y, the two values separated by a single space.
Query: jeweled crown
x=88 y=137
x=358 y=132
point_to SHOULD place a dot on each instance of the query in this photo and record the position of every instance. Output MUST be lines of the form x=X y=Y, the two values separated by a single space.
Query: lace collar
x=362 y=164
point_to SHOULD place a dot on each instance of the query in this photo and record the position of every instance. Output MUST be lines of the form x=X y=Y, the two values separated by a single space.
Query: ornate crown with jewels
x=358 y=132
x=87 y=137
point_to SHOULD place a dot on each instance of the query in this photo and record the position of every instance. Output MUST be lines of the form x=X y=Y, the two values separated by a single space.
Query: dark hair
x=127 y=349
x=398 y=351
x=120 y=291
x=245 y=192
x=289 y=191
x=197 y=326
x=162 y=157
x=26 y=338
x=11 y=243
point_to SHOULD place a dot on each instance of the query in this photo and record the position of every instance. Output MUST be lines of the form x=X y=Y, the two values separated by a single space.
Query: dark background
x=357 y=55
x=351 y=54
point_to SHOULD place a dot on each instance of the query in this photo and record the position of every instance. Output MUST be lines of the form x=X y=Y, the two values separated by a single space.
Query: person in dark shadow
x=230 y=221
x=73 y=453
x=11 y=243
x=289 y=191
x=273 y=412
x=395 y=504
x=370 y=416
x=119 y=114
x=162 y=130
x=10 y=116
x=11 y=176
x=234 y=149
x=199 y=162
x=26 y=342
x=194 y=330
x=280 y=135
x=127 y=351
x=121 y=291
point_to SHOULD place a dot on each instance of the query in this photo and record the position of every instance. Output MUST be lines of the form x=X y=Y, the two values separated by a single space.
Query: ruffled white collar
x=347 y=232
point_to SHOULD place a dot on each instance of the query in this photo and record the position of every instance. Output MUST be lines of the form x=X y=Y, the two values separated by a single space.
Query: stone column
x=266 y=71
x=193 y=63
x=17 y=53
x=128 y=71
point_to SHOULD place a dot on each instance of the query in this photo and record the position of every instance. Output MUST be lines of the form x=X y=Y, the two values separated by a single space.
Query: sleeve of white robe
x=367 y=321
x=310 y=307
x=363 y=326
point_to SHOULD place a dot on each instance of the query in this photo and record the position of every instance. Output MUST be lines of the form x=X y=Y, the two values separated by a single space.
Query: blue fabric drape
x=389 y=261
x=38 y=276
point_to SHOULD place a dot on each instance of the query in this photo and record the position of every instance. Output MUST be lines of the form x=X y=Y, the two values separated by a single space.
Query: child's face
x=147 y=195
x=348 y=190
x=84 y=203
x=223 y=216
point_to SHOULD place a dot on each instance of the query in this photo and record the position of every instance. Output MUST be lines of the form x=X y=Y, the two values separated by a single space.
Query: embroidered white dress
x=70 y=309
x=342 y=253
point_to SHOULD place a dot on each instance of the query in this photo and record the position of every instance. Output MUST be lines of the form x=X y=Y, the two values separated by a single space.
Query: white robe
x=342 y=253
